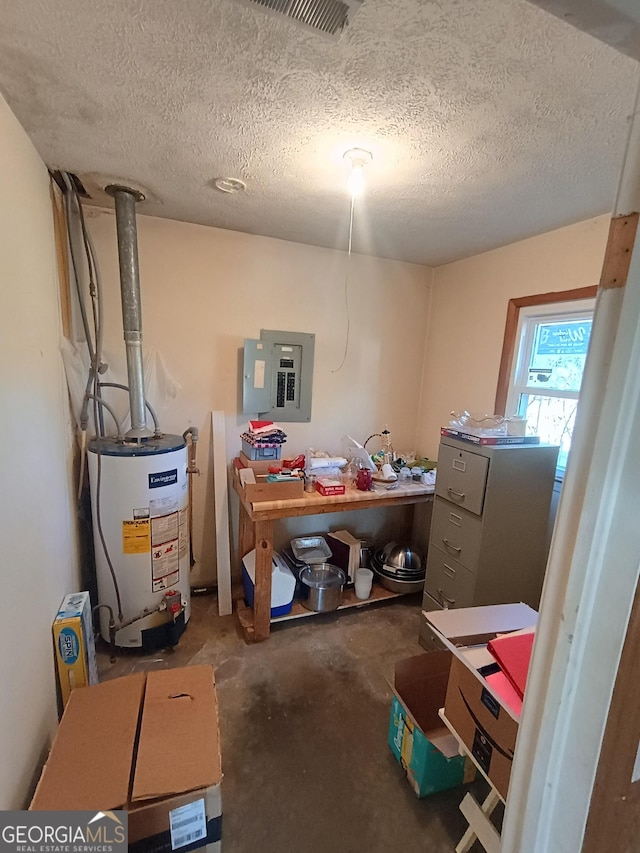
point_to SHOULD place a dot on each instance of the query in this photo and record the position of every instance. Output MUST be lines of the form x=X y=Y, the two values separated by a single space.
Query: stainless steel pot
x=324 y=583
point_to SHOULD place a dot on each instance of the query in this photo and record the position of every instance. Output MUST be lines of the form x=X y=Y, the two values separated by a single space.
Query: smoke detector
x=330 y=17
x=229 y=185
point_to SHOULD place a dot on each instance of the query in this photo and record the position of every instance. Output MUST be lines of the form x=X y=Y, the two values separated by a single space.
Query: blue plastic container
x=283 y=583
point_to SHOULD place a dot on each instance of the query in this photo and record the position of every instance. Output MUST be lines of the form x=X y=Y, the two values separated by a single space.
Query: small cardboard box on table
x=482 y=720
x=147 y=743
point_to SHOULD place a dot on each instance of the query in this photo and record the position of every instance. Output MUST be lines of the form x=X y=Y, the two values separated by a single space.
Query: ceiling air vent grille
x=327 y=16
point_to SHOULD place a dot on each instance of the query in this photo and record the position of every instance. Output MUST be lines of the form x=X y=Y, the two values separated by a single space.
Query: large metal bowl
x=397 y=585
x=400 y=559
x=399 y=574
x=399 y=556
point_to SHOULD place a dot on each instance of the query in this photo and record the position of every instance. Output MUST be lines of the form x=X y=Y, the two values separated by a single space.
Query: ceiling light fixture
x=229 y=185
x=358 y=158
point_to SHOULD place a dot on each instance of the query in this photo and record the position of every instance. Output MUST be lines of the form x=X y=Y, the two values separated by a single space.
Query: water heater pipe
x=125 y=199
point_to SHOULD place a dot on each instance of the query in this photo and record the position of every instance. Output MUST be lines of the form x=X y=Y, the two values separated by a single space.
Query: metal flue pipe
x=125 y=199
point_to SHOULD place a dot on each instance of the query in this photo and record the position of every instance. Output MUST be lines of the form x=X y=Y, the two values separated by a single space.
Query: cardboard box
x=148 y=743
x=260 y=466
x=486 y=725
x=425 y=748
x=74 y=644
x=328 y=486
x=483 y=722
x=264 y=490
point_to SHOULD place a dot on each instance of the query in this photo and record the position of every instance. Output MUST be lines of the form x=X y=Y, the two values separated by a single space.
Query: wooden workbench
x=256 y=531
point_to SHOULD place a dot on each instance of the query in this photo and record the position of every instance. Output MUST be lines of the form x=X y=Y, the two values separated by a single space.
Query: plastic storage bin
x=283 y=583
x=257 y=451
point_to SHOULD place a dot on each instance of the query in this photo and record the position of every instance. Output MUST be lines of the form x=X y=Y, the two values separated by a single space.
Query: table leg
x=478 y=827
x=246 y=535
x=262 y=592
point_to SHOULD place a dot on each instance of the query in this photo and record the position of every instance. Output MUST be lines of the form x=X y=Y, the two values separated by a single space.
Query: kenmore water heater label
x=164 y=478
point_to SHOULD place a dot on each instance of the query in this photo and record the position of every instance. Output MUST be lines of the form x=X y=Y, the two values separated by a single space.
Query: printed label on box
x=188 y=824
x=482 y=750
x=68 y=646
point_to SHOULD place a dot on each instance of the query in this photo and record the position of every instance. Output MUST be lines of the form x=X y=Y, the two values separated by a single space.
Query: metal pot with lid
x=324 y=583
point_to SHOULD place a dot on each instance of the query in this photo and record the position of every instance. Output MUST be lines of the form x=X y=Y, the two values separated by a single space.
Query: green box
x=420 y=741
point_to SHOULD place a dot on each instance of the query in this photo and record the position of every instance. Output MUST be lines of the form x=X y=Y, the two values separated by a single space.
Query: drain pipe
x=125 y=199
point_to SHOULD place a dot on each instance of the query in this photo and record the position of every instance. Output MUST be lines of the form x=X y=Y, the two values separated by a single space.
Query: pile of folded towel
x=264 y=434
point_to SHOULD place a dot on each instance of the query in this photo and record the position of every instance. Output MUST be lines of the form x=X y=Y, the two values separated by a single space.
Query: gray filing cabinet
x=490 y=525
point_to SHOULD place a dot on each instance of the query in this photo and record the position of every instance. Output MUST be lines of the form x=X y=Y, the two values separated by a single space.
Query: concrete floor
x=304 y=720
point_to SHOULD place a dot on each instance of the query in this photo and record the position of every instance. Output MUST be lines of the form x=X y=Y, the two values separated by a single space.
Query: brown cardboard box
x=173 y=761
x=263 y=490
x=260 y=466
x=485 y=725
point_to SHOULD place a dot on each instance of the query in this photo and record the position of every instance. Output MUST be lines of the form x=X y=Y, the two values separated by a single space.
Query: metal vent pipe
x=125 y=199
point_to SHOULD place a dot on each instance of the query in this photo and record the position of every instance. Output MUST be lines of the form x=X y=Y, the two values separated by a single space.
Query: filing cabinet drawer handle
x=453 y=547
x=446 y=602
x=459 y=496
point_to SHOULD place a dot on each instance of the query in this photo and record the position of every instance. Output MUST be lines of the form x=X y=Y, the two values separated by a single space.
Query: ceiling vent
x=328 y=16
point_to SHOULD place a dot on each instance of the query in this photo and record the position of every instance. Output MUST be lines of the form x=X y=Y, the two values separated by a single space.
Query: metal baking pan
x=311 y=549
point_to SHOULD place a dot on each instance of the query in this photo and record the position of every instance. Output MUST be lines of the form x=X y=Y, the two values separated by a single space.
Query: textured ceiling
x=489 y=120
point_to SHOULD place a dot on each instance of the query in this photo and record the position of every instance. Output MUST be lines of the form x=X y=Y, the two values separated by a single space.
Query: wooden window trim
x=511 y=329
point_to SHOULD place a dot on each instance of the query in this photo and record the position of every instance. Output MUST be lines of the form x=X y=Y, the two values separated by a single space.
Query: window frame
x=510 y=342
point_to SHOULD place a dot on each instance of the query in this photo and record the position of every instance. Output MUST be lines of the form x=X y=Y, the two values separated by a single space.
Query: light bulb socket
x=358 y=157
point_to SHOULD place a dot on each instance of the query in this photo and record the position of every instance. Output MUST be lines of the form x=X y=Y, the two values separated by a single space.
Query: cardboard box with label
x=425 y=748
x=147 y=743
x=74 y=644
x=483 y=721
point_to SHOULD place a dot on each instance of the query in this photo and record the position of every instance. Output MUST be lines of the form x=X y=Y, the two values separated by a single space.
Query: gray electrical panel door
x=278 y=375
x=256 y=377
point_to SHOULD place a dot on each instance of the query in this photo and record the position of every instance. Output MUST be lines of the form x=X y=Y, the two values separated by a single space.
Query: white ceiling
x=489 y=120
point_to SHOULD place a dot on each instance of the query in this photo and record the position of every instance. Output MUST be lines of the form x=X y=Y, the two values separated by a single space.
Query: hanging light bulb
x=358 y=157
x=355 y=182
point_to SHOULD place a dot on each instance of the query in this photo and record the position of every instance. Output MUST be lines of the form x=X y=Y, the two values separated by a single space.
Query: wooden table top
x=313 y=503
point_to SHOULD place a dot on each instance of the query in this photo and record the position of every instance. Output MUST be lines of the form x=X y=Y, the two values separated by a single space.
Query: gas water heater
x=139 y=489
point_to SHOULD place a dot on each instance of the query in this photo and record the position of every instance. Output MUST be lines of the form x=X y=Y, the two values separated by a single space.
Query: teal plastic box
x=420 y=741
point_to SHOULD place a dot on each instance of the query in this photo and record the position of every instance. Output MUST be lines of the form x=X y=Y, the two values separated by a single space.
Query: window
x=546 y=345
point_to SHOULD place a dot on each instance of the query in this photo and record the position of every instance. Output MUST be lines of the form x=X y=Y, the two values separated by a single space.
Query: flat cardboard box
x=474 y=626
x=486 y=725
x=425 y=748
x=148 y=743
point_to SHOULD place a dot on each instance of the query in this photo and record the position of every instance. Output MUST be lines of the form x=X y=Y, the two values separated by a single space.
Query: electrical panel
x=278 y=375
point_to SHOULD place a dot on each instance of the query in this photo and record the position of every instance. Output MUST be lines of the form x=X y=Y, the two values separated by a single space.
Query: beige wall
x=205 y=290
x=468 y=313
x=37 y=529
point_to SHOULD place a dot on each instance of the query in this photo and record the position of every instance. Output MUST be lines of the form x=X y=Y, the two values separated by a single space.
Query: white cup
x=363 y=582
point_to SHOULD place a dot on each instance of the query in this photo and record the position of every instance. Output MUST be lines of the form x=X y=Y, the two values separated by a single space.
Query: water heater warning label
x=164 y=565
x=136 y=536
x=165 y=555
